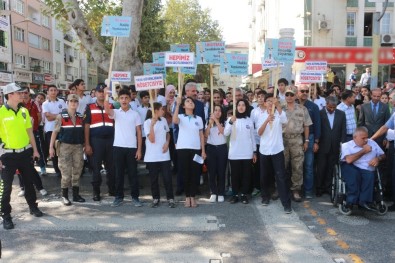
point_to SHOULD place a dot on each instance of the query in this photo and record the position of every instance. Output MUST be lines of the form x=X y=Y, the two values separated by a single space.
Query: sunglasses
x=289 y=94
x=304 y=91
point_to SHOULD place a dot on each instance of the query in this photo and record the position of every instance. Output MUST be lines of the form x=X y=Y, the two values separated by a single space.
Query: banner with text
x=317 y=66
x=158 y=57
x=154 y=68
x=234 y=64
x=180 y=48
x=116 y=26
x=270 y=63
x=209 y=52
x=148 y=82
x=281 y=50
x=121 y=76
x=182 y=59
x=310 y=77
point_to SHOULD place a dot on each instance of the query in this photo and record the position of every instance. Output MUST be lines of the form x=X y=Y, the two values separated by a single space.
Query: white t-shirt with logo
x=188 y=134
x=242 y=144
x=53 y=107
x=154 y=151
x=125 y=128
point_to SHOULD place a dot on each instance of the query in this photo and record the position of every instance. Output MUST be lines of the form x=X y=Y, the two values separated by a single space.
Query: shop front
x=5 y=78
x=37 y=81
x=23 y=78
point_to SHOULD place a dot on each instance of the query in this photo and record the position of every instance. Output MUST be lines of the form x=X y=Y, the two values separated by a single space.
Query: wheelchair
x=338 y=193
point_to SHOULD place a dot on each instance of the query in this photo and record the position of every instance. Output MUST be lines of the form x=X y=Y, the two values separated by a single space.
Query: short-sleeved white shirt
x=161 y=99
x=351 y=147
x=125 y=128
x=154 y=151
x=272 y=138
x=53 y=107
x=242 y=143
x=215 y=138
x=142 y=111
x=188 y=134
x=135 y=104
x=82 y=102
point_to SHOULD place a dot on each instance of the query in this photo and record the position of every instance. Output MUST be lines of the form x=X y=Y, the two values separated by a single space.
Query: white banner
x=148 y=82
x=310 y=77
x=317 y=66
x=121 y=76
x=182 y=59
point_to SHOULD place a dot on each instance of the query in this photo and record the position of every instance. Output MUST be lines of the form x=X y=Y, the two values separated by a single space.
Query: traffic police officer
x=69 y=126
x=18 y=147
x=99 y=138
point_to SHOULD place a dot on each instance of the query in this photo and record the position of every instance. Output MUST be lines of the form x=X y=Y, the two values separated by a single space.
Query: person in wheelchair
x=359 y=160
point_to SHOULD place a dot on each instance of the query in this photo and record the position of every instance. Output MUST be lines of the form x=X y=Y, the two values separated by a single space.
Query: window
x=3 y=66
x=76 y=53
x=20 y=60
x=368 y=24
x=45 y=21
x=57 y=45
x=19 y=34
x=3 y=5
x=34 y=40
x=385 y=24
x=47 y=66
x=75 y=72
x=46 y=44
x=58 y=68
x=351 y=24
x=19 y=6
x=3 y=39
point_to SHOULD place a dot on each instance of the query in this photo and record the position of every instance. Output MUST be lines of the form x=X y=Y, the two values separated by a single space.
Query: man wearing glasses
x=18 y=147
x=295 y=145
x=313 y=139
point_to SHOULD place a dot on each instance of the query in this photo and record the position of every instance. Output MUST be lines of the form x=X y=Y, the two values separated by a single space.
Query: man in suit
x=373 y=115
x=333 y=132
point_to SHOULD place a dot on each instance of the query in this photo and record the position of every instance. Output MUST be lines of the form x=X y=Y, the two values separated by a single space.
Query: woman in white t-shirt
x=190 y=143
x=242 y=152
x=217 y=154
x=157 y=155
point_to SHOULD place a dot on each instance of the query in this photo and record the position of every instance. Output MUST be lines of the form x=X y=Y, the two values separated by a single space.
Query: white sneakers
x=221 y=199
x=213 y=198
x=21 y=193
x=43 y=192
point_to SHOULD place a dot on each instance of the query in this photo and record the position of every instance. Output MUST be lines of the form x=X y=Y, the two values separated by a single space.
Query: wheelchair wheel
x=345 y=210
x=335 y=186
x=382 y=209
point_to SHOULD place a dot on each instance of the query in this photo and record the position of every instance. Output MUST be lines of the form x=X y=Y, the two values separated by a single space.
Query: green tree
x=187 y=23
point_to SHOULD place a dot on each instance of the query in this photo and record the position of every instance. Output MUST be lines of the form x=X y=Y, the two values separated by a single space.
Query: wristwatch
x=230 y=122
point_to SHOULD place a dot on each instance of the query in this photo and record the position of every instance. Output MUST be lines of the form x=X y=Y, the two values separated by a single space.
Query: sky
x=233 y=17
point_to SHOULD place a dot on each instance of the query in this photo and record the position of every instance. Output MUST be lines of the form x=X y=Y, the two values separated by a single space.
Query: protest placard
x=317 y=66
x=116 y=26
x=270 y=63
x=121 y=76
x=158 y=57
x=234 y=64
x=310 y=77
x=148 y=82
x=281 y=50
x=179 y=48
x=154 y=68
x=209 y=52
x=181 y=59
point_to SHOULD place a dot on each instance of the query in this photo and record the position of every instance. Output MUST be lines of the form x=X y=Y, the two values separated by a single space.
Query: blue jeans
x=308 y=180
x=359 y=184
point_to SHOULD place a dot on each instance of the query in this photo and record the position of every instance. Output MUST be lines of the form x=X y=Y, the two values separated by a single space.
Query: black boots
x=76 y=195
x=65 y=196
x=96 y=194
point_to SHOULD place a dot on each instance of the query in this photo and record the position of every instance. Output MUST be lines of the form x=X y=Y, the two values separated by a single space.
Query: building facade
x=5 y=44
x=337 y=31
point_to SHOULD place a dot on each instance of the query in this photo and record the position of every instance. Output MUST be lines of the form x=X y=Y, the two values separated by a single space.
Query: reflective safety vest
x=69 y=132
x=99 y=117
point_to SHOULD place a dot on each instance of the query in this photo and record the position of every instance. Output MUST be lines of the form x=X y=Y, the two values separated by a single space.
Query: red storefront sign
x=343 y=55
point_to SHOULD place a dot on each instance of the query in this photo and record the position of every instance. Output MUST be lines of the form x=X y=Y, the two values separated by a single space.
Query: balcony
x=68 y=37
x=69 y=77
x=68 y=59
x=36 y=68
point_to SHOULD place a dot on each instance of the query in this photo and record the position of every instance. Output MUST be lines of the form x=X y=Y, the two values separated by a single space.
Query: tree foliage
x=187 y=23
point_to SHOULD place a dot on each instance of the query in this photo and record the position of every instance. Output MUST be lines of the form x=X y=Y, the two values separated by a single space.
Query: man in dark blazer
x=333 y=132
x=373 y=115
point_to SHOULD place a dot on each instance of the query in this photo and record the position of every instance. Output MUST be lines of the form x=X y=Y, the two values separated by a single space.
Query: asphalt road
x=216 y=233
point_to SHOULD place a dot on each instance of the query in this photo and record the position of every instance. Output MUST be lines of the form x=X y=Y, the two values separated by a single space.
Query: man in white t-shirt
x=84 y=100
x=51 y=108
x=127 y=145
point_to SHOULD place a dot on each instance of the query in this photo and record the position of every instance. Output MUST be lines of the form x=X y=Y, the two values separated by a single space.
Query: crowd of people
x=281 y=145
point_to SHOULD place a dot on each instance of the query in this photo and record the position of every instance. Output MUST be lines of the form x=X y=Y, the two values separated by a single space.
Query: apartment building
x=5 y=44
x=336 y=31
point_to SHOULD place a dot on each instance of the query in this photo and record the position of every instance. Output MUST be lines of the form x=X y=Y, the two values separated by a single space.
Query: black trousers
x=278 y=163
x=35 y=178
x=24 y=163
x=241 y=175
x=125 y=158
x=190 y=170
x=325 y=163
x=256 y=174
x=40 y=147
x=172 y=149
x=102 y=153
x=55 y=158
x=164 y=168
x=217 y=158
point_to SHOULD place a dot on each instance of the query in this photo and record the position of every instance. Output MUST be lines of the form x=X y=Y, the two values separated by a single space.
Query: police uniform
x=298 y=119
x=71 y=137
x=17 y=154
x=101 y=138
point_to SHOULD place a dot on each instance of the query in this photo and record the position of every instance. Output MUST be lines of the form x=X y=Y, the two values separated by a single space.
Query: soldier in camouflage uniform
x=294 y=147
